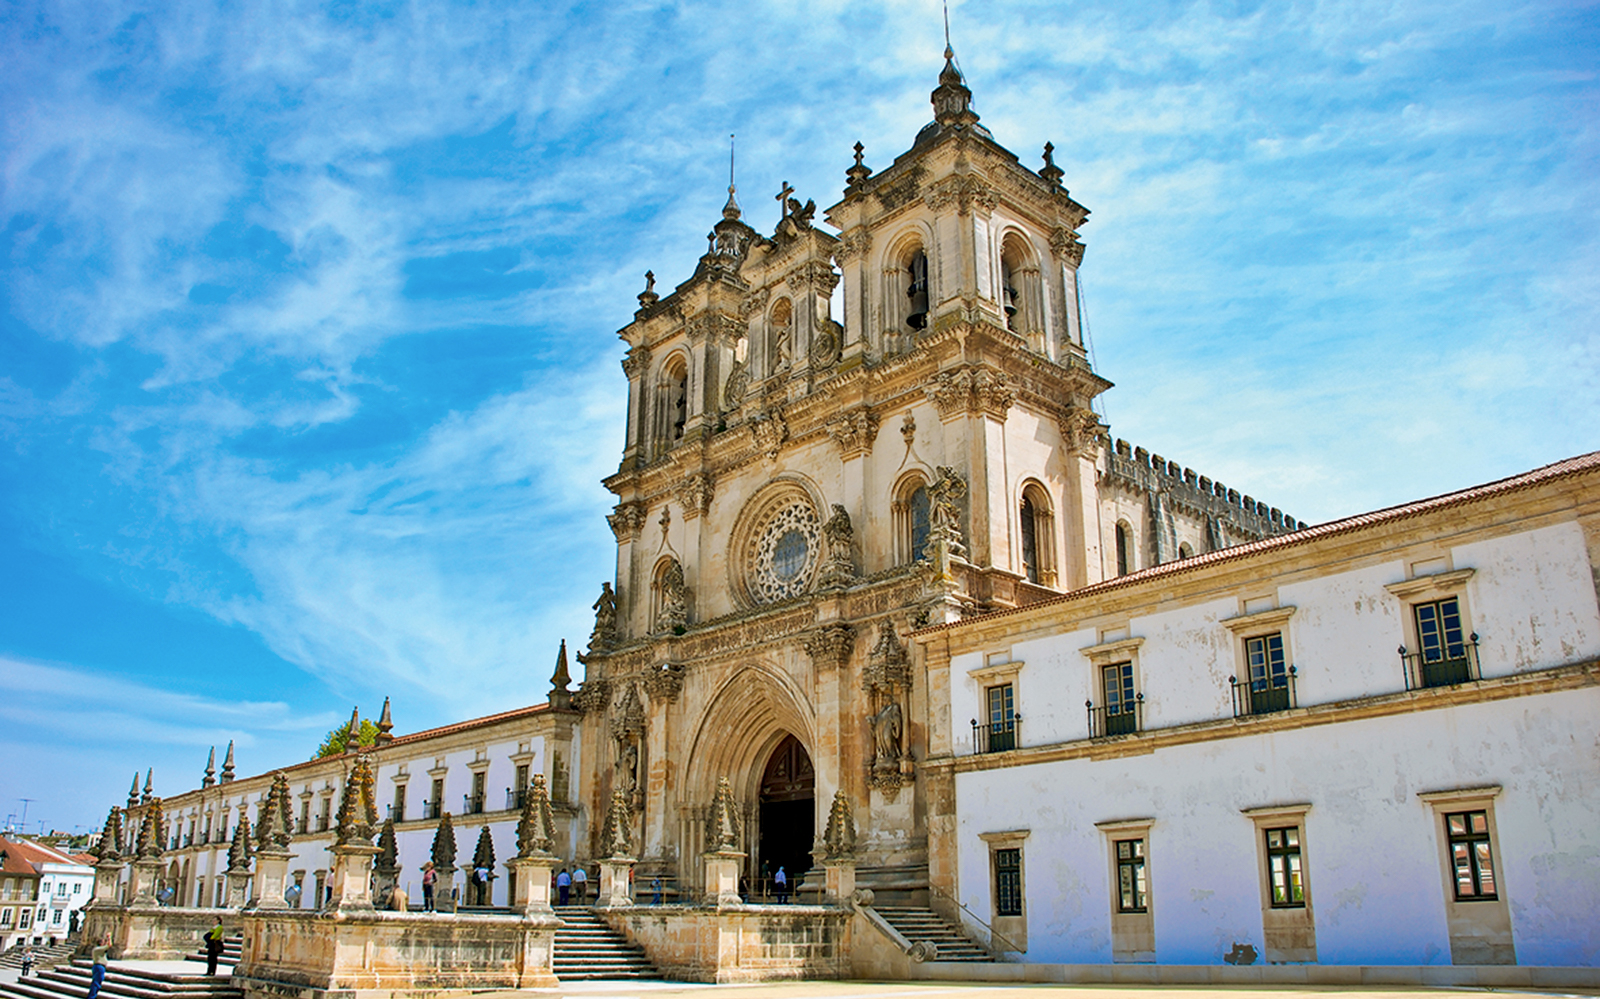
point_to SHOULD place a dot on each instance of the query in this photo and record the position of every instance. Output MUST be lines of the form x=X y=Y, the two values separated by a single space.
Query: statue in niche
x=887 y=726
x=674 y=599
x=782 y=347
x=628 y=765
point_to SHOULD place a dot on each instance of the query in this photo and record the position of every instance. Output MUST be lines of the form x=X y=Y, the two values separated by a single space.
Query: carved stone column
x=616 y=876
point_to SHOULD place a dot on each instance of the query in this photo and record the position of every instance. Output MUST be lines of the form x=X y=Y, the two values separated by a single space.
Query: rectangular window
x=1008 y=882
x=24 y=918
x=1132 y=892
x=55 y=917
x=1269 y=674
x=1000 y=708
x=436 y=802
x=521 y=790
x=325 y=815
x=1470 y=856
x=61 y=888
x=1284 y=872
x=1441 y=644
x=5 y=917
x=476 y=804
x=398 y=812
x=1117 y=682
x=305 y=816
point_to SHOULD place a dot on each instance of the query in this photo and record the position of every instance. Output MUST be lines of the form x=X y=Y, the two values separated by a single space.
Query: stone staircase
x=586 y=948
x=43 y=957
x=923 y=925
x=229 y=958
x=71 y=981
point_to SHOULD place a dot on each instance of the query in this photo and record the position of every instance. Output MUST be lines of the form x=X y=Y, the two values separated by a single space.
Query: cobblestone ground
x=912 y=990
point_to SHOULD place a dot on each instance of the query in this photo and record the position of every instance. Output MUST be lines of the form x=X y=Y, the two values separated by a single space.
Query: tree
x=338 y=740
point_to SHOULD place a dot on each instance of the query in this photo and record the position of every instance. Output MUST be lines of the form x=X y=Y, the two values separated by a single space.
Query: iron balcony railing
x=471 y=804
x=515 y=798
x=1122 y=719
x=432 y=809
x=397 y=811
x=1441 y=667
x=1263 y=696
x=995 y=737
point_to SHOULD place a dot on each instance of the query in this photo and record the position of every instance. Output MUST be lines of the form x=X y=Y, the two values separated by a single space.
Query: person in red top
x=430 y=877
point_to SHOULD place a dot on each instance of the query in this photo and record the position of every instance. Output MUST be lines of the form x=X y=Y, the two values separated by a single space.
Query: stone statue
x=782 y=347
x=628 y=764
x=605 y=618
x=674 y=599
x=838 y=568
x=886 y=728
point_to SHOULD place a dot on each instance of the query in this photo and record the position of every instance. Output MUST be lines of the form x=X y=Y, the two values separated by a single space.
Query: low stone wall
x=749 y=943
x=151 y=933
x=369 y=954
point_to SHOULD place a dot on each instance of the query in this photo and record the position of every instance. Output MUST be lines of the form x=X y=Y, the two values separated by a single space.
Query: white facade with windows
x=41 y=890
x=1371 y=742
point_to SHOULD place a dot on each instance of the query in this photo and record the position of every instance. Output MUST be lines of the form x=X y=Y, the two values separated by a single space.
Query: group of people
x=573 y=885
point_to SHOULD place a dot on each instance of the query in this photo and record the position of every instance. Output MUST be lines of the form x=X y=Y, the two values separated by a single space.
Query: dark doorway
x=788 y=819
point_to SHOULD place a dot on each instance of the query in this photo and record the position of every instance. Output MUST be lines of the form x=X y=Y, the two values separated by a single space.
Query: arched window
x=1037 y=525
x=912 y=510
x=916 y=278
x=1124 y=548
x=672 y=401
x=1020 y=290
x=1185 y=551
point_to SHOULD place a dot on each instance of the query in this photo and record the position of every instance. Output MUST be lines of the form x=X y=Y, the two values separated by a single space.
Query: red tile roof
x=1526 y=480
x=25 y=856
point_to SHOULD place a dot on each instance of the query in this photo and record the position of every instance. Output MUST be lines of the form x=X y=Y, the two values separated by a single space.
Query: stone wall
x=152 y=933
x=744 y=944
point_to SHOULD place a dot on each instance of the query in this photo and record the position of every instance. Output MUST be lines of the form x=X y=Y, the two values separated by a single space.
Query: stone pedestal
x=533 y=883
x=272 y=873
x=351 y=879
x=839 y=880
x=444 y=892
x=722 y=877
x=238 y=889
x=142 y=885
x=107 y=879
x=614 y=877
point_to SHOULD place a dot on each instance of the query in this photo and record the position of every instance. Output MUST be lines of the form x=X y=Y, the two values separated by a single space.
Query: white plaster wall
x=1345 y=633
x=1532 y=599
x=1373 y=862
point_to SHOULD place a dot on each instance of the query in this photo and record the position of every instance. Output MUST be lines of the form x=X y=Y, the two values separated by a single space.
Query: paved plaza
x=910 y=990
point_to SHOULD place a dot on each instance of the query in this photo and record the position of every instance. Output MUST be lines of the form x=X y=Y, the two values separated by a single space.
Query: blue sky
x=307 y=360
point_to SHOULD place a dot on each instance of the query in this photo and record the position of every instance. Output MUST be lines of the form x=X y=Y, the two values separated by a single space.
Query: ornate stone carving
x=854 y=432
x=1082 y=432
x=665 y=682
x=694 y=494
x=993 y=392
x=443 y=851
x=887 y=680
x=635 y=361
x=944 y=517
x=604 y=635
x=854 y=244
x=830 y=645
x=627 y=719
x=387 y=862
x=110 y=845
x=951 y=392
x=674 y=613
x=273 y=817
x=239 y=852
x=838 y=568
x=769 y=431
x=888 y=664
x=839 y=838
x=966 y=191
x=785 y=551
x=593 y=695
x=734 y=388
x=908 y=429
x=357 y=818
x=826 y=345
x=616 y=836
x=722 y=826
x=536 y=827
x=151 y=832
x=627 y=520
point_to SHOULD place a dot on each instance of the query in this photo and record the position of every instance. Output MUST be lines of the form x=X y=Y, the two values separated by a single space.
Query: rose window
x=788 y=541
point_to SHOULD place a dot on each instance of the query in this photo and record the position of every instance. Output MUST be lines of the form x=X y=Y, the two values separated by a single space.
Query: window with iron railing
x=1270 y=684
x=1444 y=656
x=1121 y=711
x=471 y=805
x=514 y=798
x=998 y=732
x=432 y=809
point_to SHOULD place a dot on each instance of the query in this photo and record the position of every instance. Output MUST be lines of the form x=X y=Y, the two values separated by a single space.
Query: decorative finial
x=783 y=198
x=133 y=791
x=1051 y=173
x=385 y=726
x=952 y=101
x=561 y=679
x=227 y=764
x=730 y=211
x=145 y=796
x=352 y=740
x=860 y=171
x=211 y=769
x=648 y=297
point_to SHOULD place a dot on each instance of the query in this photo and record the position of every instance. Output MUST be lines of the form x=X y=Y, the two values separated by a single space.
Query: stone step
x=926 y=926
x=588 y=949
x=72 y=982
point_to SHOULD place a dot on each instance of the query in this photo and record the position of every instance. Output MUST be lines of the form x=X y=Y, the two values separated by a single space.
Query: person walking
x=98 y=975
x=430 y=877
x=213 y=946
x=656 y=887
x=563 y=886
x=27 y=961
x=780 y=882
x=580 y=883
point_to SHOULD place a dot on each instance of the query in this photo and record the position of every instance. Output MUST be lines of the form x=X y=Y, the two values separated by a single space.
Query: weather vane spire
x=731 y=137
x=948 y=51
x=730 y=211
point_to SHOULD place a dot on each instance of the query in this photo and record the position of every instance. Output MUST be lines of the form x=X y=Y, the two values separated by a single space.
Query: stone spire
x=227 y=764
x=352 y=739
x=388 y=862
x=560 y=696
x=536 y=829
x=483 y=853
x=617 y=837
x=444 y=847
x=840 y=837
x=149 y=777
x=273 y=820
x=210 y=779
x=110 y=845
x=133 y=791
x=952 y=101
x=151 y=831
x=239 y=851
x=722 y=832
x=358 y=808
x=385 y=726
x=730 y=211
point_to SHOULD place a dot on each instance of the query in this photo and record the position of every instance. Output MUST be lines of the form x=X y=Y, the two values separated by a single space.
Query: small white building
x=41 y=891
x=1372 y=742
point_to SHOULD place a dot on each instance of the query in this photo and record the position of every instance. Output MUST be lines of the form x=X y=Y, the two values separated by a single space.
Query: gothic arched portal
x=788 y=816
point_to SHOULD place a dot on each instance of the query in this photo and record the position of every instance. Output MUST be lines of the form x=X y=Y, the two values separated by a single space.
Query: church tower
x=800 y=490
